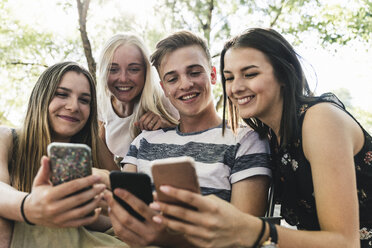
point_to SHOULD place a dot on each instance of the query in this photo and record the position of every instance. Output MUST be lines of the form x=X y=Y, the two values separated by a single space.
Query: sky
x=349 y=68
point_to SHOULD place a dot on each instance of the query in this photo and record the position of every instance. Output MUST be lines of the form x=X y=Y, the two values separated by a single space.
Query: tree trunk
x=83 y=7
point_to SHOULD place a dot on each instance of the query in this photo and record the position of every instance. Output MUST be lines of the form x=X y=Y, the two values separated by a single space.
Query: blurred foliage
x=26 y=49
x=364 y=117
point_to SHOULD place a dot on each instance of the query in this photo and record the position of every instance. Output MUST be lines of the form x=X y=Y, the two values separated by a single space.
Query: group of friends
x=273 y=132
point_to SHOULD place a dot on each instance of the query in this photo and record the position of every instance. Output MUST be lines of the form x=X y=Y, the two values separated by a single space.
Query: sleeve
x=252 y=157
x=132 y=154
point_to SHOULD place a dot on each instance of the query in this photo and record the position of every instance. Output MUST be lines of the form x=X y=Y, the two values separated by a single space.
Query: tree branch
x=26 y=63
x=83 y=7
x=273 y=22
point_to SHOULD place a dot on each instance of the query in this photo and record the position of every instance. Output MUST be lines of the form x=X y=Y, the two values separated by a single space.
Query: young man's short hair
x=175 y=41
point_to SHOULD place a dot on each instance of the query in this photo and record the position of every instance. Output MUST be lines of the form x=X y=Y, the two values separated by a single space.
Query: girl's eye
x=61 y=94
x=172 y=80
x=134 y=70
x=84 y=100
x=228 y=79
x=250 y=75
x=113 y=70
x=195 y=73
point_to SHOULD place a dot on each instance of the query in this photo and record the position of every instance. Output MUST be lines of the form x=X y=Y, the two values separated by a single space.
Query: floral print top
x=294 y=183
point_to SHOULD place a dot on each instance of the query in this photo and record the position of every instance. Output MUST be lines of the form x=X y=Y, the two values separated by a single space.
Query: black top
x=294 y=183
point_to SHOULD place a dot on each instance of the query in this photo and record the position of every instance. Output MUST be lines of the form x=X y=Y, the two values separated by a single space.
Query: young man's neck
x=197 y=123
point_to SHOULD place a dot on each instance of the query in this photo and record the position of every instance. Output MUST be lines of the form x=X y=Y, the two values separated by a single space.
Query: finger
x=150 y=121
x=43 y=174
x=82 y=210
x=155 y=195
x=145 y=120
x=179 y=226
x=83 y=221
x=65 y=189
x=125 y=234
x=74 y=201
x=122 y=215
x=181 y=213
x=190 y=198
x=138 y=205
x=125 y=226
x=157 y=125
x=164 y=123
x=197 y=241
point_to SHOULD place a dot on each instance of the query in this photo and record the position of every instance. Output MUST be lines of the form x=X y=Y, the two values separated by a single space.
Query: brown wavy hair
x=35 y=134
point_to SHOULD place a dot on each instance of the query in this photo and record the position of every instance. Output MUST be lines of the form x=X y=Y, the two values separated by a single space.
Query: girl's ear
x=213 y=75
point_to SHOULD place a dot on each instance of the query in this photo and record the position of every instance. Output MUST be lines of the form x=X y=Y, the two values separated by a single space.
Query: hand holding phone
x=139 y=184
x=177 y=172
x=69 y=161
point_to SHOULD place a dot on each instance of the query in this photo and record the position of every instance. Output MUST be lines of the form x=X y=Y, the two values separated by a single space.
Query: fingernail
x=155 y=205
x=165 y=189
x=109 y=209
x=156 y=219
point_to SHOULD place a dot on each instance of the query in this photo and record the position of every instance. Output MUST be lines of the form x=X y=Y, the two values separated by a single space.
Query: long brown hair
x=287 y=70
x=35 y=135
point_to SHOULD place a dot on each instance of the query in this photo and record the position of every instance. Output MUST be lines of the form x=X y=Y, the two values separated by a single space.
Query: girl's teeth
x=188 y=97
x=124 y=88
x=245 y=99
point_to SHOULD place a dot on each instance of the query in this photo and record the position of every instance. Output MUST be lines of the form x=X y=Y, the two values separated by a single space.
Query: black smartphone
x=139 y=184
x=69 y=161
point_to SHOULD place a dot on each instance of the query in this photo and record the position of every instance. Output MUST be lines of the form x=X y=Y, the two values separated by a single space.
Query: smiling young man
x=232 y=167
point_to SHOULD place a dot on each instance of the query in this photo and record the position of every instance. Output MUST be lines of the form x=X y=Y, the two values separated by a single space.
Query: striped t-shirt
x=220 y=161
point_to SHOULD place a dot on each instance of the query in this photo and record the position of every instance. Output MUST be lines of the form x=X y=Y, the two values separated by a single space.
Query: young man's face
x=186 y=78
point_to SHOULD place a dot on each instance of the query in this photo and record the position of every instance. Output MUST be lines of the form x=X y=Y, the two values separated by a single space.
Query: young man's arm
x=250 y=195
x=251 y=174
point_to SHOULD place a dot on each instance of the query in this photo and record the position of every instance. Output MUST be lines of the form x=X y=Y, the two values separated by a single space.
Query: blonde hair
x=36 y=133
x=151 y=96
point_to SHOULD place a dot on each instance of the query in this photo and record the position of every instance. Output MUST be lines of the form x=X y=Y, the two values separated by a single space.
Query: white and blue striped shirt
x=220 y=161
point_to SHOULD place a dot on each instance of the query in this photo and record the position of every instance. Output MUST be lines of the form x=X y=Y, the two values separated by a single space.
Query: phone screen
x=139 y=184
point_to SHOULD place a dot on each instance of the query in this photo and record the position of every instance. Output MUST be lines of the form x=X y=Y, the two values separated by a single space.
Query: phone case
x=177 y=172
x=139 y=184
x=69 y=161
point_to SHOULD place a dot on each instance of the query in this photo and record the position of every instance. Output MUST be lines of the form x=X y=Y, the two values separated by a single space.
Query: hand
x=216 y=223
x=128 y=228
x=104 y=176
x=52 y=206
x=150 y=121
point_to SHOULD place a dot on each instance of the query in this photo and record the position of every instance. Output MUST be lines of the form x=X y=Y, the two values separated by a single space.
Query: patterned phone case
x=69 y=161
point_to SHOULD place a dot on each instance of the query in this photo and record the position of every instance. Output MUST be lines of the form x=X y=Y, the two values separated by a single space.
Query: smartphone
x=69 y=161
x=139 y=184
x=177 y=172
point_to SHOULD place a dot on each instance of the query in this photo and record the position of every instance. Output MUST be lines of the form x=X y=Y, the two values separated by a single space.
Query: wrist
x=272 y=240
x=249 y=231
x=23 y=210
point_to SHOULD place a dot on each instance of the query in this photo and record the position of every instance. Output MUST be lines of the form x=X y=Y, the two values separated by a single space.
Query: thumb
x=43 y=174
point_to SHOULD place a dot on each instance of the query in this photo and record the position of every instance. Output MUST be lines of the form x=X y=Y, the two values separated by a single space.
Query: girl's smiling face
x=126 y=77
x=69 y=109
x=251 y=84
